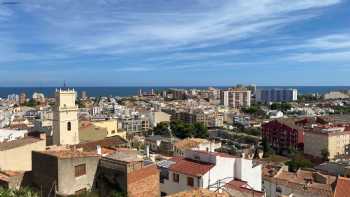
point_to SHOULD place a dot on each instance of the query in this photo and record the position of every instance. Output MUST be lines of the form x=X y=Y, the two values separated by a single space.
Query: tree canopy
x=182 y=130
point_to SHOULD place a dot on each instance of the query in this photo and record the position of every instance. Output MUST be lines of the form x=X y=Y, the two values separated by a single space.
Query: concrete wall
x=246 y=171
x=112 y=128
x=20 y=158
x=44 y=173
x=314 y=143
x=171 y=187
x=335 y=144
x=68 y=184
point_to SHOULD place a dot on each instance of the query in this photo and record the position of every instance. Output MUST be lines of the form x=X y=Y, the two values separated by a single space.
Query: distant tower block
x=65 y=118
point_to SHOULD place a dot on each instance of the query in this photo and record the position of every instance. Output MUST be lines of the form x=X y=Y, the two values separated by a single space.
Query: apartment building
x=158 y=117
x=135 y=124
x=276 y=95
x=201 y=169
x=283 y=134
x=333 y=139
x=235 y=98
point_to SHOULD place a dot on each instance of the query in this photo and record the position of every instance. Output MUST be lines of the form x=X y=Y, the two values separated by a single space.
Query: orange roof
x=342 y=188
x=190 y=167
x=69 y=153
x=5 y=175
x=243 y=187
x=200 y=193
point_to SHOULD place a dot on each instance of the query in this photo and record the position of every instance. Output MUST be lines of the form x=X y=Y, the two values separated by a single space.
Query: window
x=69 y=126
x=278 y=189
x=176 y=178
x=190 y=181
x=80 y=192
x=80 y=170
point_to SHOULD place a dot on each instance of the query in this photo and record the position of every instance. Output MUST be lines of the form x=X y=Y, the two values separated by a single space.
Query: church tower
x=65 y=118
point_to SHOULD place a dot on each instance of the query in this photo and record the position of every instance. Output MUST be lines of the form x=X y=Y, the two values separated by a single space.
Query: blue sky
x=174 y=42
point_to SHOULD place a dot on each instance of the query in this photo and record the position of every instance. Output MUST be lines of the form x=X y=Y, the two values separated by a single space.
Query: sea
x=131 y=91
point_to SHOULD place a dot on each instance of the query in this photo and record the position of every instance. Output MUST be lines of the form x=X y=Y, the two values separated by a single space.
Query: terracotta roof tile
x=111 y=142
x=342 y=188
x=199 y=193
x=69 y=153
x=243 y=187
x=190 y=167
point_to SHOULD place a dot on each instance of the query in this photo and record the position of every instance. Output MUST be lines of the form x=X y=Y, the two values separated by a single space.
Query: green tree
x=283 y=106
x=200 y=131
x=23 y=192
x=31 y=103
x=298 y=161
x=161 y=129
x=268 y=151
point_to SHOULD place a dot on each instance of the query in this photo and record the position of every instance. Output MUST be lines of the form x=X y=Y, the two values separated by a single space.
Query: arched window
x=69 y=126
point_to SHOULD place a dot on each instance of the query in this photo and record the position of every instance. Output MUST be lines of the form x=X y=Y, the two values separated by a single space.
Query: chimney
x=42 y=136
x=99 y=150
x=147 y=151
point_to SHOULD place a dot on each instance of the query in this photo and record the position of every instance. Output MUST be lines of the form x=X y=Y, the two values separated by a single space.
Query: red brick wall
x=144 y=182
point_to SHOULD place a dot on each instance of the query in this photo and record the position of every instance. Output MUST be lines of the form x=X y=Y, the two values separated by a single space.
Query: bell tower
x=65 y=118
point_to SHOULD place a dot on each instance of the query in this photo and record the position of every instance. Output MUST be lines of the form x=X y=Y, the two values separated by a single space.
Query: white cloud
x=322 y=57
x=101 y=26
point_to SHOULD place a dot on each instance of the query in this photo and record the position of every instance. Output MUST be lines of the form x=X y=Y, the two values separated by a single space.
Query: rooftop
x=199 y=193
x=244 y=188
x=111 y=142
x=189 y=143
x=69 y=153
x=190 y=167
x=343 y=187
x=304 y=180
x=6 y=175
x=126 y=155
x=17 y=143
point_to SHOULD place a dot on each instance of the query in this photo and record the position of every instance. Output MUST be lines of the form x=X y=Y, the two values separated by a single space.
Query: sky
x=174 y=42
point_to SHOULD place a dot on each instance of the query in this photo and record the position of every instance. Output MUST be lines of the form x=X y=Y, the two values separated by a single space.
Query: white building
x=65 y=118
x=158 y=117
x=236 y=98
x=39 y=97
x=200 y=169
x=335 y=95
x=273 y=114
x=13 y=97
x=11 y=134
x=276 y=95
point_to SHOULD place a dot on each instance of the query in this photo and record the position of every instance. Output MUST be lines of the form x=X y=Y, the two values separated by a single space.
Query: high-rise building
x=236 y=98
x=22 y=98
x=13 y=98
x=65 y=118
x=276 y=95
x=83 y=95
